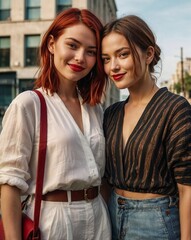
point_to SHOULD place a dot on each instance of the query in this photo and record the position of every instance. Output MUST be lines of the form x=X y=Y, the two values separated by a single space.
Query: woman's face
x=74 y=52
x=118 y=61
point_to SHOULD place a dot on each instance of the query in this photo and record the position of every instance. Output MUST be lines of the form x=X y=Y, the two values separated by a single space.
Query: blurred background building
x=180 y=81
x=22 y=24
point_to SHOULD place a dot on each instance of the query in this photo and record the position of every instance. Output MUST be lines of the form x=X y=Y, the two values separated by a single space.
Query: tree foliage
x=177 y=87
x=187 y=82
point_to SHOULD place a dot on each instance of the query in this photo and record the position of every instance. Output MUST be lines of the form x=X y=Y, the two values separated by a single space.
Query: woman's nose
x=114 y=65
x=79 y=57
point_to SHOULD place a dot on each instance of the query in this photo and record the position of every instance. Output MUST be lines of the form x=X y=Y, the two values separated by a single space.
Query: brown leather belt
x=77 y=195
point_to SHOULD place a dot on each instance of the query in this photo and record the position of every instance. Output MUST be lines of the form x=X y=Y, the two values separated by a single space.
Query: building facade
x=22 y=24
x=183 y=68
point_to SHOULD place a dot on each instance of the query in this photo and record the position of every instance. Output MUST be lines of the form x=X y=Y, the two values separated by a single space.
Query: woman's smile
x=76 y=68
x=118 y=77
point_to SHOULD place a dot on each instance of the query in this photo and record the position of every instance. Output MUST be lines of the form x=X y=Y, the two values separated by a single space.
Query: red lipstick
x=76 y=68
x=118 y=77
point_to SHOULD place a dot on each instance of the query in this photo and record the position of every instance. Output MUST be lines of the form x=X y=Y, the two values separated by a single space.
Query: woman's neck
x=68 y=91
x=141 y=95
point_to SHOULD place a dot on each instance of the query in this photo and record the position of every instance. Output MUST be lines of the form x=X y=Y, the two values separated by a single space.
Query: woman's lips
x=76 y=68
x=118 y=77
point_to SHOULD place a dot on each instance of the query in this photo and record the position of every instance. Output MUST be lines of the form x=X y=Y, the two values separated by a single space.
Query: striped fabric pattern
x=157 y=154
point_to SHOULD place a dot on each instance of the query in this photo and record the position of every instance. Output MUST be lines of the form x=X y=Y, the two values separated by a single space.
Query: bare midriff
x=137 y=195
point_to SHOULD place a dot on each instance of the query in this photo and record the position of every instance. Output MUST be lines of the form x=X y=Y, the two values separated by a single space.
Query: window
x=63 y=4
x=4 y=51
x=5 y=94
x=5 y=9
x=31 y=50
x=32 y=9
x=7 y=90
x=26 y=84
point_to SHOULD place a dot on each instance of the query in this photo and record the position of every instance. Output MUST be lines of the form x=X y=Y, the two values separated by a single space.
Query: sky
x=170 y=20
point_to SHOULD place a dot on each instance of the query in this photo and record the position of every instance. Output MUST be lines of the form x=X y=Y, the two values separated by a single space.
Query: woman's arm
x=11 y=212
x=185 y=211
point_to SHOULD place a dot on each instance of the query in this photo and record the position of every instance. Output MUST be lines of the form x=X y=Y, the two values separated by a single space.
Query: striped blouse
x=157 y=154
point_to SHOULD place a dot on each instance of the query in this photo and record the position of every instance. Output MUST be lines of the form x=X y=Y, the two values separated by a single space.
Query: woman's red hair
x=93 y=85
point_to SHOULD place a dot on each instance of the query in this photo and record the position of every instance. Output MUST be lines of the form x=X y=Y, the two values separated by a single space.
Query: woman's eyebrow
x=117 y=51
x=75 y=40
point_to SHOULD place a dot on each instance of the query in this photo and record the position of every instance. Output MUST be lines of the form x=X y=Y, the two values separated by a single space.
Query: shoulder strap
x=41 y=159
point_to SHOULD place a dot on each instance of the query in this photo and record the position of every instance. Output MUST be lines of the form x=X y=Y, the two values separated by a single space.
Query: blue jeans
x=150 y=219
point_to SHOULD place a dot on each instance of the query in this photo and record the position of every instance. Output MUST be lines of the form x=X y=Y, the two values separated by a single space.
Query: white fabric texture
x=74 y=221
x=74 y=160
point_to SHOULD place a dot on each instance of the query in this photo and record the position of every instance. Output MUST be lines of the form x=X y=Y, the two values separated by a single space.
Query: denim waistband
x=152 y=202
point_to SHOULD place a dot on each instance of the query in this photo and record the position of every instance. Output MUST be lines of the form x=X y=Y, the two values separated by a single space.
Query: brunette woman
x=148 y=140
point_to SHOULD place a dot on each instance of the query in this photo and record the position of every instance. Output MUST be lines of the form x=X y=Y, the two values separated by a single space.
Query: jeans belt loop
x=173 y=201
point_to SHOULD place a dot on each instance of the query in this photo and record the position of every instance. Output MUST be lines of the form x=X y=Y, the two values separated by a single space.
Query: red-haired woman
x=72 y=82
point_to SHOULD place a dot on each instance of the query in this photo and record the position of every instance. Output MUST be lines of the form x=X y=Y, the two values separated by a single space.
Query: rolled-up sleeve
x=16 y=146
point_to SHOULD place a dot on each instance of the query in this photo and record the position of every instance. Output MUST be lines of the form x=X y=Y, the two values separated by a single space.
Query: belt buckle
x=86 y=195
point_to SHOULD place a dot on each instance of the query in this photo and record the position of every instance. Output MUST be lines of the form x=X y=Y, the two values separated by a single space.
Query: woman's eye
x=105 y=60
x=72 y=45
x=124 y=54
x=92 y=53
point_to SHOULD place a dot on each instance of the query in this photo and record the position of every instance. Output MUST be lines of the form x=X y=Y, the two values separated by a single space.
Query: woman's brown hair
x=137 y=33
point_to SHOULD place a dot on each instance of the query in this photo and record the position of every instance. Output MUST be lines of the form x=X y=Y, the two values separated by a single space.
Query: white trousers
x=73 y=221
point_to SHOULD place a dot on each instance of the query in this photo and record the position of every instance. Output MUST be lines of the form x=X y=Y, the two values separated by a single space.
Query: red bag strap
x=41 y=160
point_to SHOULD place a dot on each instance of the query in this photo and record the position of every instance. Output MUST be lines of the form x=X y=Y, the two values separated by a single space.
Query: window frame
x=29 y=9
x=60 y=7
x=5 y=55
x=31 y=57
x=6 y=9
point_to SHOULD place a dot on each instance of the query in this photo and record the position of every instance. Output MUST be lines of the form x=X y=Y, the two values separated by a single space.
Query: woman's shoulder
x=112 y=112
x=27 y=98
x=25 y=103
x=115 y=107
x=22 y=109
x=171 y=107
x=24 y=97
x=174 y=100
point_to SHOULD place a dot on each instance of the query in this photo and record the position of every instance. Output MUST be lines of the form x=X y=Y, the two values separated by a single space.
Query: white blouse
x=74 y=160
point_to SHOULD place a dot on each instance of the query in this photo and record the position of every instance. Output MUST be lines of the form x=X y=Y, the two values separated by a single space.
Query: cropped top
x=157 y=154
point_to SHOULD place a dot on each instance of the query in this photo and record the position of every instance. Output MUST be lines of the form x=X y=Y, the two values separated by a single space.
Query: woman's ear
x=51 y=44
x=150 y=54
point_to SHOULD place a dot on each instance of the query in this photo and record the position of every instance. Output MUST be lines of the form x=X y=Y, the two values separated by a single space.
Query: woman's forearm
x=11 y=212
x=185 y=211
